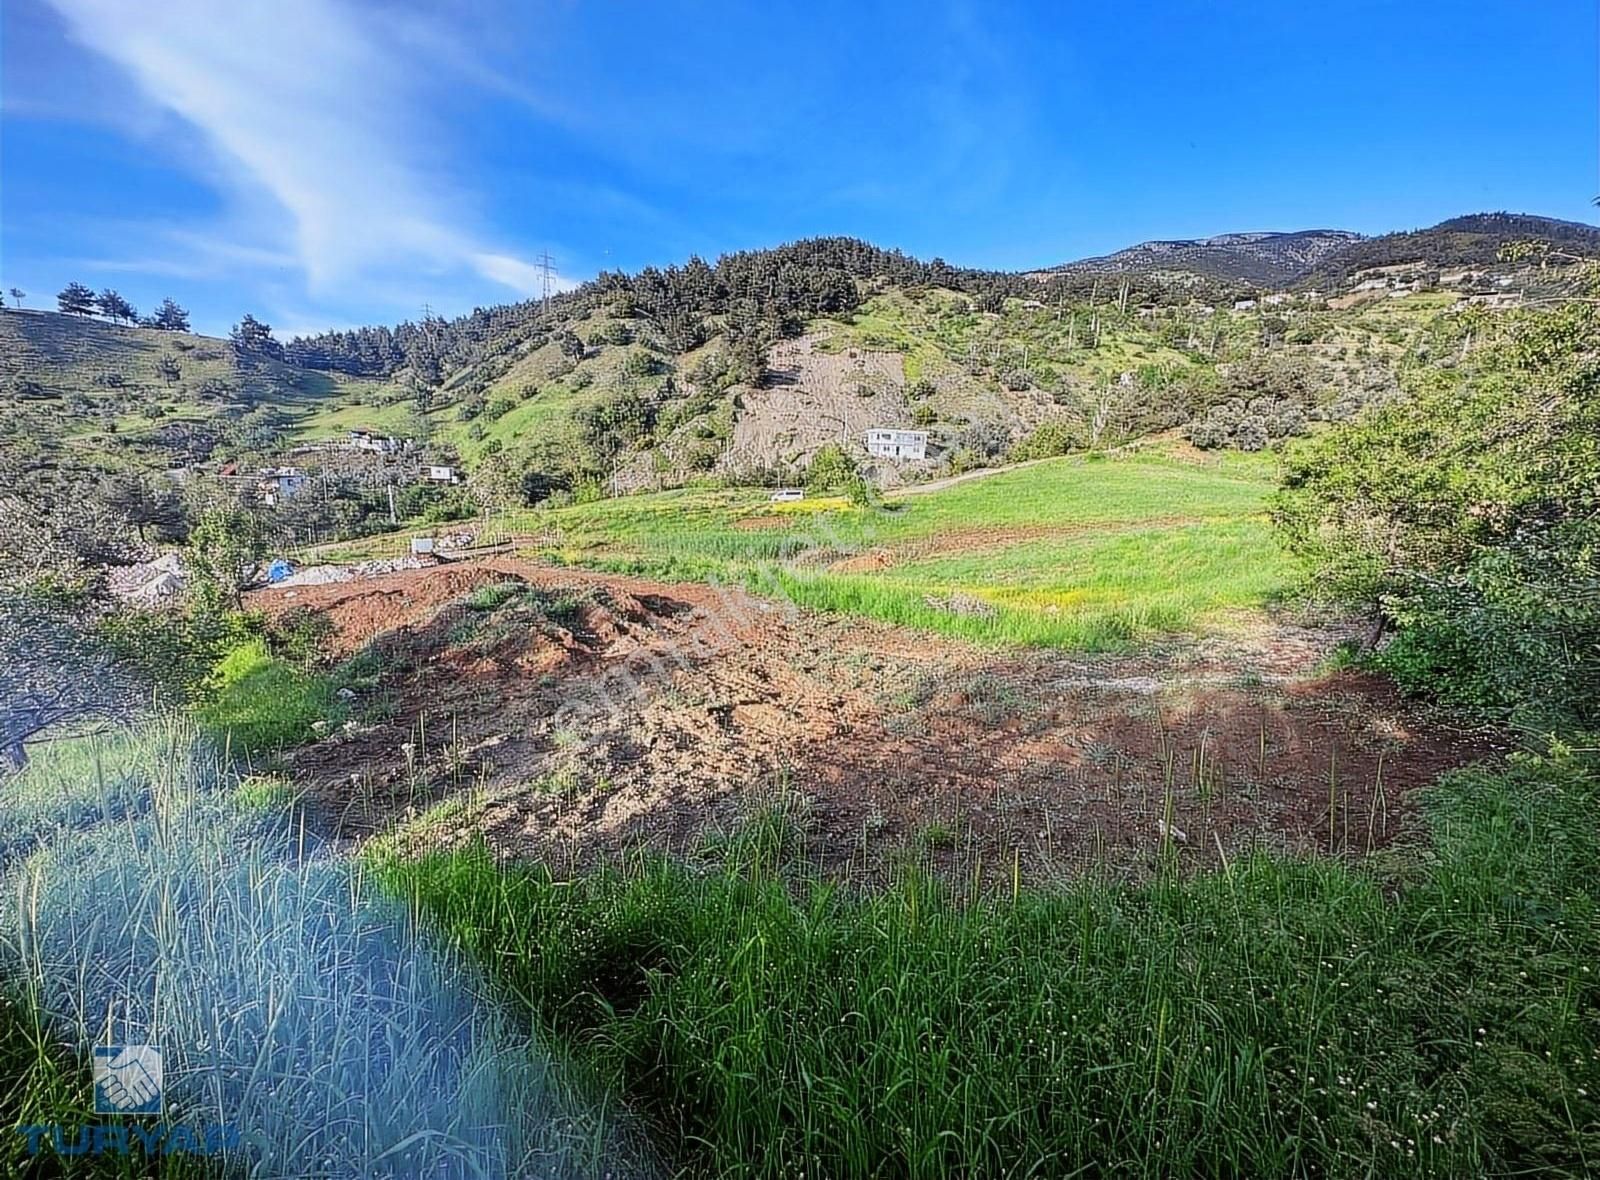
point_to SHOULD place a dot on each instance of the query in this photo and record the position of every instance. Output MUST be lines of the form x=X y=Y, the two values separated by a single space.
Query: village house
x=440 y=473
x=898 y=444
x=278 y=485
x=1244 y=305
x=381 y=444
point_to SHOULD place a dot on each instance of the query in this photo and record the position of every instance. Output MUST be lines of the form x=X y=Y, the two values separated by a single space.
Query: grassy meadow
x=1073 y=552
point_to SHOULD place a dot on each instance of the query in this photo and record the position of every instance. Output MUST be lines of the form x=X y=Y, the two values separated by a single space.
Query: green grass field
x=1086 y=553
x=1432 y=1016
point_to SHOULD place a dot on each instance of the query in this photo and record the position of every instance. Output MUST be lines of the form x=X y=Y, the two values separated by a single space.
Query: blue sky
x=327 y=162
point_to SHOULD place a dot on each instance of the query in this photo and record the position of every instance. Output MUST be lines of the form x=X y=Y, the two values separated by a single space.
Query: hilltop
x=1471 y=241
x=1326 y=258
x=121 y=397
x=1256 y=259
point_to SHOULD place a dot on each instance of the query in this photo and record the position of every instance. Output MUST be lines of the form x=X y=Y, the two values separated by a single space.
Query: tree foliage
x=115 y=308
x=54 y=669
x=225 y=548
x=1468 y=515
x=254 y=343
x=76 y=299
x=169 y=317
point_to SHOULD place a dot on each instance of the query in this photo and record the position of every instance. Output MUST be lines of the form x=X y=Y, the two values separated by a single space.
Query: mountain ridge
x=1283 y=259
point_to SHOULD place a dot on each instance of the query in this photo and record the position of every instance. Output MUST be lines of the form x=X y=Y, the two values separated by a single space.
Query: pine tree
x=253 y=342
x=115 y=308
x=169 y=317
x=76 y=299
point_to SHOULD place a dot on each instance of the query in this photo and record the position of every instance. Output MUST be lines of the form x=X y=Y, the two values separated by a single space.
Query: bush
x=1466 y=516
x=1516 y=634
x=831 y=470
x=1046 y=441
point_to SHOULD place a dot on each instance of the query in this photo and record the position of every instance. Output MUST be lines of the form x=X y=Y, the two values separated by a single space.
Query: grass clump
x=1280 y=1018
x=256 y=703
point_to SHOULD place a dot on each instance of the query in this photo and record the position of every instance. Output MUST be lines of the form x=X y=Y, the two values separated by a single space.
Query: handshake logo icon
x=127 y=1079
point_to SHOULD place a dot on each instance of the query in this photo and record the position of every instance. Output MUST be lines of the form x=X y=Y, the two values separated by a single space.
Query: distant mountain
x=1324 y=257
x=1471 y=241
x=1258 y=259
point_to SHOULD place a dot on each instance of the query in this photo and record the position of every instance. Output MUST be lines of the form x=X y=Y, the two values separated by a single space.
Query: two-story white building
x=898 y=444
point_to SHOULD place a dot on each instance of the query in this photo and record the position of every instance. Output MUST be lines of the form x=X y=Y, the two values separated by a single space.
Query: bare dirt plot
x=657 y=714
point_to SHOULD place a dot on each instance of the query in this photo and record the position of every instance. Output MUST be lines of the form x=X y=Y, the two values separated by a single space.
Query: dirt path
x=950 y=481
x=659 y=714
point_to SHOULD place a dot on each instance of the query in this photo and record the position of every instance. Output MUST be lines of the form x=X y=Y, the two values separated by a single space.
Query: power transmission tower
x=544 y=272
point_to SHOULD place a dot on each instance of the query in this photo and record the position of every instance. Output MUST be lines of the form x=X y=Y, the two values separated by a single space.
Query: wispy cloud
x=307 y=105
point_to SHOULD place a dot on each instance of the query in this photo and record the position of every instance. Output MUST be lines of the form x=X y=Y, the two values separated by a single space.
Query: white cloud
x=526 y=277
x=304 y=103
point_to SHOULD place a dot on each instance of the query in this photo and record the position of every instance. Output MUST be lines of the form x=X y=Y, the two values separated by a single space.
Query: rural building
x=439 y=473
x=898 y=444
x=1244 y=305
x=381 y=444
x=278 y=485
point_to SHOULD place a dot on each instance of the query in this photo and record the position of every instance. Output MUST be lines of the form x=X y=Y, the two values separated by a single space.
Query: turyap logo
x=127 y=1079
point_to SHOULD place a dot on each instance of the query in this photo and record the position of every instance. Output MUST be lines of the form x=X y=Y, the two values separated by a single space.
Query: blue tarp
x=279 y=569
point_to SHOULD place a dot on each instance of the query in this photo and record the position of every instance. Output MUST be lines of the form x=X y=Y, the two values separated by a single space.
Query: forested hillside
x=756 y=369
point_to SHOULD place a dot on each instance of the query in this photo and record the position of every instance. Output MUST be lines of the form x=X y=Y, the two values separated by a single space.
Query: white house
x=281 y=484
x=898 y=444
x=439 y=473
x=365 y=440
x=1244 y=305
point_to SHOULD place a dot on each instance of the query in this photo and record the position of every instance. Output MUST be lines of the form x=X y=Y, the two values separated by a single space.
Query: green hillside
x=81 y=390
x=743 y=372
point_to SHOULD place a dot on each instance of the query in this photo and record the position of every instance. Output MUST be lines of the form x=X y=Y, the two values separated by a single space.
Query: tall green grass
x=1440 y=1017
x=289 y=997
x=257 y=702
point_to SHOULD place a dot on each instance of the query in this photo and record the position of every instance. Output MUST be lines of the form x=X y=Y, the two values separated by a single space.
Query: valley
x=640 y=766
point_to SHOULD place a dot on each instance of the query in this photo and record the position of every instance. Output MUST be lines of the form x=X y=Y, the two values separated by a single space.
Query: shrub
x=831 y=470
x=1045 y=441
